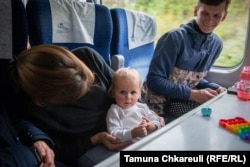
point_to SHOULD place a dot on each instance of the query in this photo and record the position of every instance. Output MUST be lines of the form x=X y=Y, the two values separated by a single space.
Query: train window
x=170 y=14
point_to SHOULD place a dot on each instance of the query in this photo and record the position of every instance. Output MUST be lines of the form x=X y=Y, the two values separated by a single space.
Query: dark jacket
x=70 y=126
x=12 y=152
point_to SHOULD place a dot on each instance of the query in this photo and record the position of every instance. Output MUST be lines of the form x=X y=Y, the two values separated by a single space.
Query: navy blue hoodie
x=181 y=61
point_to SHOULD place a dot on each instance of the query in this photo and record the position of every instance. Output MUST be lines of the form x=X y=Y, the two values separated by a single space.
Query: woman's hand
x=46 y=154
x=110 y=142
x=162 y=121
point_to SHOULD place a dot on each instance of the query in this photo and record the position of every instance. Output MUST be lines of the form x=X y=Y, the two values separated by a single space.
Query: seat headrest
x=141 y=28
x=73 y=21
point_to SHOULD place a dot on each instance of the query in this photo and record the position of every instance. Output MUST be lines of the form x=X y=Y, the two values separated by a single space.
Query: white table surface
x=192 y=131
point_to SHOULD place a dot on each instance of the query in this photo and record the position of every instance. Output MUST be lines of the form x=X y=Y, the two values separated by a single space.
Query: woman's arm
x=41 y=142
x=109 y=141
x=29 y=134
x=18 y=155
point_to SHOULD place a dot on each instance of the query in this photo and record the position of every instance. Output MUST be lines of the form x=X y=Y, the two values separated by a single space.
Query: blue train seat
x=71 y=24
x=133 y=39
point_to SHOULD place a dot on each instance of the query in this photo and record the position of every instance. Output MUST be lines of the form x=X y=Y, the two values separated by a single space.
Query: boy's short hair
x=215 y=2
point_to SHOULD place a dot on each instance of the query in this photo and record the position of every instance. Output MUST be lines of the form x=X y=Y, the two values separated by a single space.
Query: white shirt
x=120 y=121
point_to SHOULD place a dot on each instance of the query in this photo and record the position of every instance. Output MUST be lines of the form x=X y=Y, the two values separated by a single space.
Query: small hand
x=140 y=130
x=151 y=127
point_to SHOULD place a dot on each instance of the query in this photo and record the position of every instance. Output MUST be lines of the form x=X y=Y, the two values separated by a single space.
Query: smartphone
x=37 y=156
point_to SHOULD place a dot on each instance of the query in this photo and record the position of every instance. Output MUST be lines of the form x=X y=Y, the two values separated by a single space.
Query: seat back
x=133 y=38
x=71 y=24
x=19 y=27
x=14 y=37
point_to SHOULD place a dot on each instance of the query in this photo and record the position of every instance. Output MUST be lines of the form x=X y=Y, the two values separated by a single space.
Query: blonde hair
x=127 y=73
x=51 y=74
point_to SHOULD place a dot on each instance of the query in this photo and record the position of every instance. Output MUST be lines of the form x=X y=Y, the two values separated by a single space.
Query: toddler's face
x=127 y=92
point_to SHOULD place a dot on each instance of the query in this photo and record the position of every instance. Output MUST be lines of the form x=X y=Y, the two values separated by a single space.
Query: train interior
x=106 y=30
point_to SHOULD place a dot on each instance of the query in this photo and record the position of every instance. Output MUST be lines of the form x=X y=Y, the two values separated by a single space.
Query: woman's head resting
x=51 y=74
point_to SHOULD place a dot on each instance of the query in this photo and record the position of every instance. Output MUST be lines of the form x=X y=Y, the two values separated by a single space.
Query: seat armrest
x=117 y=61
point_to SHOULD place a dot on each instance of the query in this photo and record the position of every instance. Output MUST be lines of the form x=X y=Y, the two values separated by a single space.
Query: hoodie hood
x=201 y=40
